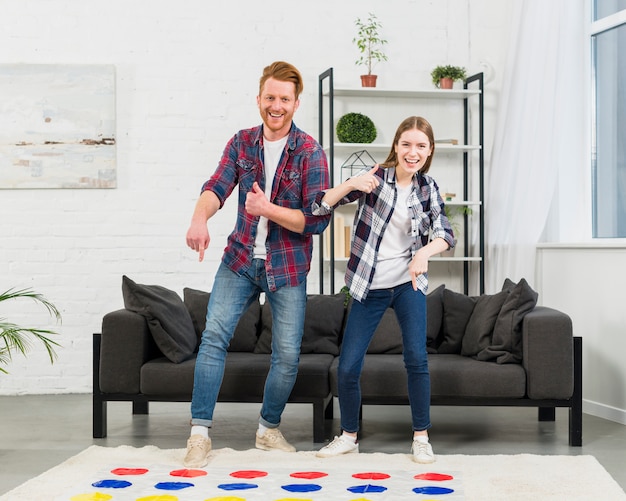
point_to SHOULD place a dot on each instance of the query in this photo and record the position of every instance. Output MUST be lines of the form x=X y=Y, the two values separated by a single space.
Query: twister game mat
x=164 y=483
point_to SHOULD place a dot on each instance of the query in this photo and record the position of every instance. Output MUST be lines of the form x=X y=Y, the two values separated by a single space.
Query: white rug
x=276 y=476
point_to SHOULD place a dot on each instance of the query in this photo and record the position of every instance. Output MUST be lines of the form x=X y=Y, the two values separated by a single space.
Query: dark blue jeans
x=410 y=309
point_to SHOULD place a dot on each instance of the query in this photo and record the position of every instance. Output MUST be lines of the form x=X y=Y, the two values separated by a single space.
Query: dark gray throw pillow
x=246 y=333
x=388 y=335
x=323 y=321
x=506 y=341
x=457 y=310
x=479 y=328
x=168 y=319
x=434 y=315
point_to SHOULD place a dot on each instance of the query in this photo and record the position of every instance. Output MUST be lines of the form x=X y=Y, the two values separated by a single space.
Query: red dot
x=248 y=474
x=129 y=471
x=309 y=475
x=188 y=473
x=437 y=477
x=371 y=476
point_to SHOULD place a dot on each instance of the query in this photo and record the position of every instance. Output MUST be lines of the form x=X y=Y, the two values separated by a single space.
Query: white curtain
x=539 y=133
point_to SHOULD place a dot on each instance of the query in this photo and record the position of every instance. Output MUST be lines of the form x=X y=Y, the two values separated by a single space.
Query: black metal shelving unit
x=472 y=89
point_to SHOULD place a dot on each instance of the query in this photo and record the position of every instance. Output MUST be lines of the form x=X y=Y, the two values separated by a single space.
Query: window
x=608 y=39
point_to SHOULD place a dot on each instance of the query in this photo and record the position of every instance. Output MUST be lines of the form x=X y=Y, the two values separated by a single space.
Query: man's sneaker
x=273 y=439
x=338 y=446
x=198 y=449
x=422 y=452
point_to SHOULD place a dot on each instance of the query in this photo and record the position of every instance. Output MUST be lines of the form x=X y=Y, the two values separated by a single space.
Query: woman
x=399 y=224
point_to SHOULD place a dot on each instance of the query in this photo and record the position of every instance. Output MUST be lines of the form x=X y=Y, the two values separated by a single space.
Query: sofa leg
x=99 y=415
x=547 y=414
x=98 y=404
x=576 y=410
x=318 y=421
x=329 y=413
x=140 y=407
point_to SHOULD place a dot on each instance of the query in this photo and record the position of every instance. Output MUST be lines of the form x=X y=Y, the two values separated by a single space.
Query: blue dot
x=301 y=487
x=237 y=487
x=112 y=484
x=433 y=491
x=173 y=486
x=362 y=489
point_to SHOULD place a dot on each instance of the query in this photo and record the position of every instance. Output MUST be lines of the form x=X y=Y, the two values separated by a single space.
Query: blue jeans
x=232 y=294
x=410 y=309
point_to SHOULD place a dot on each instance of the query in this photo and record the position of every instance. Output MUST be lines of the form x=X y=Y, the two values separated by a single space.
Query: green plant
x=453 y=72
x=369 y=42
x=346 y=292
x=453 y=212
x=355 y=128
x=15 y=338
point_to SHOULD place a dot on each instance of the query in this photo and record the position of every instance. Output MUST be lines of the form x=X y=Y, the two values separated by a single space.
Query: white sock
x=350 y=438
x=200 y=430
x=422 y=439
x=262 y=430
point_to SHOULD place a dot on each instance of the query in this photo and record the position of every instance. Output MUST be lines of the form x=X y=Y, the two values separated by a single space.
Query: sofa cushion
x=457 y=310
x=323 y=322
x=246 y=332
x=506 y=341
x=168 y=319
x=479 y=328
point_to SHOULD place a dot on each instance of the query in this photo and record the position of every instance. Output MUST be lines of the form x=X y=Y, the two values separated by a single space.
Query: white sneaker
x=338 y=446
x=422 y=452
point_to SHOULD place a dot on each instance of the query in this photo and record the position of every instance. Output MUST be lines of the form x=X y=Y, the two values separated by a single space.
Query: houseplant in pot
x=369 y=42
x=355 y=128
x=453 y=212
x=445 y=76
x=15 y=338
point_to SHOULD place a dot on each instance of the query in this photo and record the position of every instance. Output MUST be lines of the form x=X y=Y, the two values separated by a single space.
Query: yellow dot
x=161 y=497
x=92 y=496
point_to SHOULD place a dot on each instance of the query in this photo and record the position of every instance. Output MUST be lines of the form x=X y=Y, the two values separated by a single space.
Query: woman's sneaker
x=422 y=452
x=338 y=446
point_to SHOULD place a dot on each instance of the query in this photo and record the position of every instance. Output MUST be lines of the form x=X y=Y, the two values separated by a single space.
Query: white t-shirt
x=394 y=253
x=272 y=151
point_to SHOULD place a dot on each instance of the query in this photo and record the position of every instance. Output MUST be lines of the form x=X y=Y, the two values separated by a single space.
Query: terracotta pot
x=446 y=83
x=368 y=80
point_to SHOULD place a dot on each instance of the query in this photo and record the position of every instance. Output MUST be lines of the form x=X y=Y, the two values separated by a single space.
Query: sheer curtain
x=539 y=137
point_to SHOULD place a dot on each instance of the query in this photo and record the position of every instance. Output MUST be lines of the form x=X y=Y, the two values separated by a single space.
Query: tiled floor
x=39 y=431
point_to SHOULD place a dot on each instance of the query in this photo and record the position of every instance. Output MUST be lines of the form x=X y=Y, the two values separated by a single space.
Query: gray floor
x=39 y=432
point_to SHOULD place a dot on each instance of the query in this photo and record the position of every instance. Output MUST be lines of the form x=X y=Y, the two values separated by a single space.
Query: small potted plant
x=452 y=212
x=369 y=43
x=445 y=76
x=355 y=128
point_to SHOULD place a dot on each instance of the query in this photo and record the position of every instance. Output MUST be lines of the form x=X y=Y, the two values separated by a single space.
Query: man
x=279 y=170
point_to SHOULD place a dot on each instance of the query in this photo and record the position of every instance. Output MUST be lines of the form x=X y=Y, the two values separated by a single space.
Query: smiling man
x=279 y=169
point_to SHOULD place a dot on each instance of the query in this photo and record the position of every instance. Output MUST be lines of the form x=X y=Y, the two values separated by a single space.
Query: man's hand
x=198 y=237
x=257 y=203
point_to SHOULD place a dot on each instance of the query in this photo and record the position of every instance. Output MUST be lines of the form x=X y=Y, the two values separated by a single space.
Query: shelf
x=460 y=259
x=411 y=94
x=381 y=147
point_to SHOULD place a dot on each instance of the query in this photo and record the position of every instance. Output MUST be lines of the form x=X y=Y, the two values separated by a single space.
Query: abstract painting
x=57 y=126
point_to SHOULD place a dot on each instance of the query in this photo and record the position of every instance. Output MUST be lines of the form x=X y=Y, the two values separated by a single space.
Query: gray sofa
x=488 y=350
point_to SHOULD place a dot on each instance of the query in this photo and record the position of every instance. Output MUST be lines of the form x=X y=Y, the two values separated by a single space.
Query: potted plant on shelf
x=355 y=128
x=452 y=212
x=369 y=43
x=445 y=76
x=15 y=338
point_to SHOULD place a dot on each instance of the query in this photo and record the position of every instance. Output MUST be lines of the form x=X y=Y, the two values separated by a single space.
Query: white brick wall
x=187 y=77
